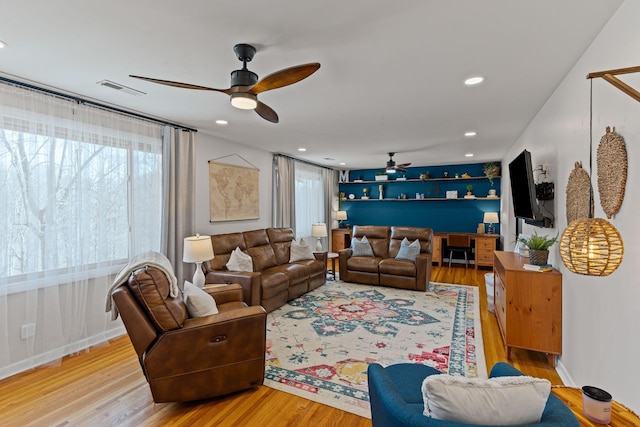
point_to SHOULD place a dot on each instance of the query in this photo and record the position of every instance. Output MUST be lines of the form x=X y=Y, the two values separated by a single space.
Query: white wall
x=211 y=148
x=600 y=314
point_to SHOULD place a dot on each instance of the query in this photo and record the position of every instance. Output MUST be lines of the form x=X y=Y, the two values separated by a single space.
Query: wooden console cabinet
x=528 y=306
x=340 y=239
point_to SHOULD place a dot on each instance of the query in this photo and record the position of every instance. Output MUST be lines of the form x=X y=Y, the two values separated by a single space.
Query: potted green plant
x=381 y=176
x=538 y=247
x=469 y=190
x=491 y=171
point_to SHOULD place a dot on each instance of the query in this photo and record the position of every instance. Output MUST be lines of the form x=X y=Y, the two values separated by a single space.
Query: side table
x=333 y=256
x=572 y=397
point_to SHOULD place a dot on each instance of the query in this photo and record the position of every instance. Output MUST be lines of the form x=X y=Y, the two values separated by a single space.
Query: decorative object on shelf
x=365 y=192
x=453 y=194
x=491 y=171
x=401 y=178
x=352 y=196
x=492 y=194
x=424 y=176
x=466 y=175
x=445 y=174
x=381 y=176
x=469 y=190
x=591 y=246
x=612 y=165
x=197 y=249
x=341 y=216
x=319 y=230
x=490 y=218
x=381 y=190
x=342 y=195
x=538 y=247
x=457 y=176
x=579 y=203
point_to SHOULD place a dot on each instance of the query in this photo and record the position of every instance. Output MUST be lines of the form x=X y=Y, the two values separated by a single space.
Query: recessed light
x=222 y=122
x=470 y=133
x=3 y=44
x=474 y=80
x=469 y=155
x=302 y=149
x=342 y=163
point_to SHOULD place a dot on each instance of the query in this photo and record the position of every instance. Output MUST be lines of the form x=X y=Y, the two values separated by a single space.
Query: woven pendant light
x=591 y=246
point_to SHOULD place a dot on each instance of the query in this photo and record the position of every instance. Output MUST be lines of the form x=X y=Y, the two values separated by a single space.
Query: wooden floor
x=105 y=387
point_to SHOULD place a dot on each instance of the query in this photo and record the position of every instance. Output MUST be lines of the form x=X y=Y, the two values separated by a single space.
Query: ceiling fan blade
x=266 y=112
x=181 y=85
x=403 y=165
x=285 y=77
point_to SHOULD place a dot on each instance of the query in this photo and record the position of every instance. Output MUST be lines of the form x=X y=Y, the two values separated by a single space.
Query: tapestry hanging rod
x=610 y=76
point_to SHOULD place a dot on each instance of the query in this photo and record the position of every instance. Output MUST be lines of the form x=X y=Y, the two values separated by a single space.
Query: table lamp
x=490 y=218
x=197 y=249
x=319 y=230
x=341 y=216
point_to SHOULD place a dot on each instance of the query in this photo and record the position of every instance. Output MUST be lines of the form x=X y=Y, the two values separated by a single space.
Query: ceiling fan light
x=390 y=170
x=244 y=101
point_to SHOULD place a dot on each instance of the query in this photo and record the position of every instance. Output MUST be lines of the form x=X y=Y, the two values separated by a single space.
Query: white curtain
x=80 y=193
x=178 y=215
x=310 y=200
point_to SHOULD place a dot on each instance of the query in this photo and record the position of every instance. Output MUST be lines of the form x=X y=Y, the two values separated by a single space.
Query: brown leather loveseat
x=274 y=280
x=183 y=358
x=383 y=268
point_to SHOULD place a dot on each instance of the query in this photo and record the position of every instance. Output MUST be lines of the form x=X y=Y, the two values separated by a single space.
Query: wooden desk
x=485 y=244
x=572 y=397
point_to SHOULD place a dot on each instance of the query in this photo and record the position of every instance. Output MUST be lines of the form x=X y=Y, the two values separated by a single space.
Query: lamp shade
x=197 y=249
x=592 y=247
x=341 y=215
x=491 y=218
x=319 y=230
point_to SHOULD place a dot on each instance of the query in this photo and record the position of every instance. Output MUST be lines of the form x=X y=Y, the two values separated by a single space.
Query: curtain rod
x=93 y=103
x=303 y=161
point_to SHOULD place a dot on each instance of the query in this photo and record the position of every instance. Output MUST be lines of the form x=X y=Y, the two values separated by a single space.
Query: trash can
x=488 y=282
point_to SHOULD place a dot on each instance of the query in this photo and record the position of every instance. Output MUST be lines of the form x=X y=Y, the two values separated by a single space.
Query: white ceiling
x=391 y=77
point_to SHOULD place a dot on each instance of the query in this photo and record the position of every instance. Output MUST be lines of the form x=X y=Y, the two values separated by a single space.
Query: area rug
x=320 y=344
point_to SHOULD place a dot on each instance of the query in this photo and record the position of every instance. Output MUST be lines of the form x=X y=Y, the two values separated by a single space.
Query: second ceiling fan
x=393 y=168
x=245 y=86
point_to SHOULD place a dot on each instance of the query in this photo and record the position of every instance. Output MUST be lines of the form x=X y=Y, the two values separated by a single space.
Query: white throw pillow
x=408 y=250
x=361 y=247
x=495 y=401
x=300 y=251
x=198 y=302
x=239 y=261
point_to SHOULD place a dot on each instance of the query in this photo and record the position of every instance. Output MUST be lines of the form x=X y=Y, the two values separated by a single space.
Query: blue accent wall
x=442 y=215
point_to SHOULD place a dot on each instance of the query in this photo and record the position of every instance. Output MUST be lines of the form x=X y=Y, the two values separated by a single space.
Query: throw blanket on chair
x=152 y=259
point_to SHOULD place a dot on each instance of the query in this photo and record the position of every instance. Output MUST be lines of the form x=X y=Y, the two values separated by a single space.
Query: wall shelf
x=430 y=199
x=402 y=181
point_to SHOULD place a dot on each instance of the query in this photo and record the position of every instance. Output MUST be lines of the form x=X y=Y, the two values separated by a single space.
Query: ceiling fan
x=393 y=168
x=245 y=86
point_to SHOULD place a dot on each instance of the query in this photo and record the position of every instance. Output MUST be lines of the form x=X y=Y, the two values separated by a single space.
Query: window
x=310 y=206
x=80 y=188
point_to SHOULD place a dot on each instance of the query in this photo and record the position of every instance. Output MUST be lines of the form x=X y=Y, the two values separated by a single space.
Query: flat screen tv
x=523 y=191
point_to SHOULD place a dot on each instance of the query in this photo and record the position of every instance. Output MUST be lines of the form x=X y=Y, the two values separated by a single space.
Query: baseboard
x=58 y=353
x=564 y=374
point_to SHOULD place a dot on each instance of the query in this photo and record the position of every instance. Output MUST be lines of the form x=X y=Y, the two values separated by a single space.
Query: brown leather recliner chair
x=184 y=358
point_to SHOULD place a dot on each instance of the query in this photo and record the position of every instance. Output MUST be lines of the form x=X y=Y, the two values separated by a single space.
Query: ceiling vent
x=121 y=88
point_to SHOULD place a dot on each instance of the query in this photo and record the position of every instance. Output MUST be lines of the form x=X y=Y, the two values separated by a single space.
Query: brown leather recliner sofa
x=274 y=279
x=184 y=358
x=383 y=268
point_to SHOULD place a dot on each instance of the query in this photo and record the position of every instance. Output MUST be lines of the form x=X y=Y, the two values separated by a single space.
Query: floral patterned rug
x=319 y=345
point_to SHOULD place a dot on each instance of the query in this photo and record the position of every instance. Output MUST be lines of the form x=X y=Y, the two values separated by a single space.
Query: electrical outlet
x=28 y=331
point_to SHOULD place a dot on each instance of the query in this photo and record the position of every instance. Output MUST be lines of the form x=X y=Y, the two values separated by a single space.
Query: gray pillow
x=239 y=261
x=300 y=251
x=198 y=302
x=361 y=247
x=408 y=250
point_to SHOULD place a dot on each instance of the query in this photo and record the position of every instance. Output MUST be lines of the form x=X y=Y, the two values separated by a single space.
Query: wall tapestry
x=233 y=192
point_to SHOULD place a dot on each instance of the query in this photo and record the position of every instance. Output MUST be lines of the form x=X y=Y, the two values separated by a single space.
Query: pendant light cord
x=590 y=148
